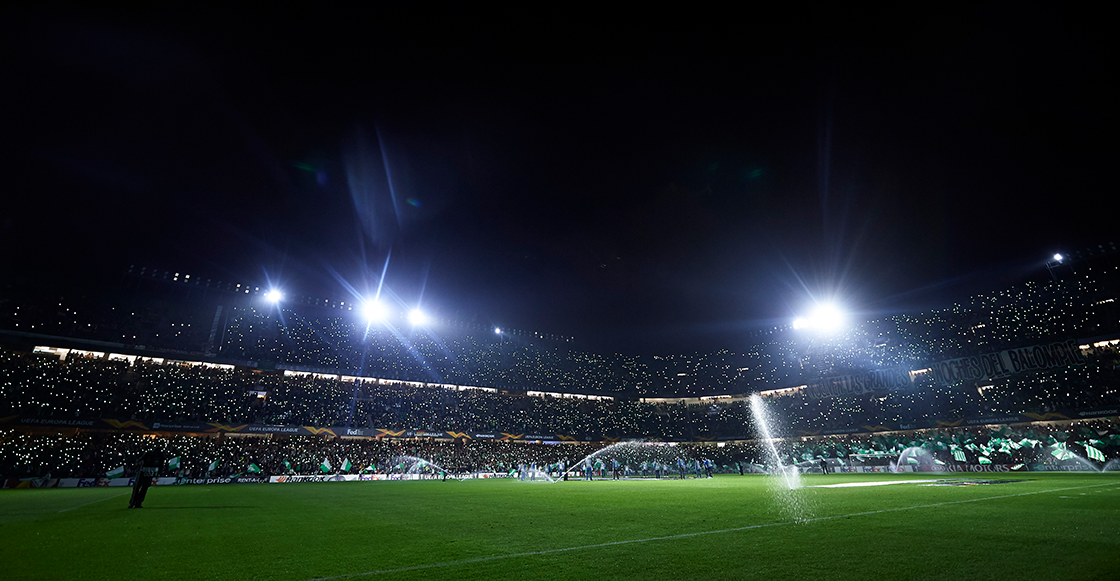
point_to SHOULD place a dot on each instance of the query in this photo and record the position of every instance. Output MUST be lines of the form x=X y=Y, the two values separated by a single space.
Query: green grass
x=295 y=532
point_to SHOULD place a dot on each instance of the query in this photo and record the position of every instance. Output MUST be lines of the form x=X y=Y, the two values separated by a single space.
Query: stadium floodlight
x=1058 y=257
x=273 y=296
x=417 y=317
x=497 y=330
x=373 y=310
x=826 y=317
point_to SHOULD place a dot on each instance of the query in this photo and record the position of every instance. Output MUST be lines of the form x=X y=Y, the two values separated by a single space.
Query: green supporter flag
x=1094 y=453
x=1060 y=452
x=326 y=465
x=253 y=469
x=115 y=472
x=173 y=464
x=346 y=465
x=984 y=460
x=287 y=465
x=213 y=466
x=912 y=460
x=959 y=455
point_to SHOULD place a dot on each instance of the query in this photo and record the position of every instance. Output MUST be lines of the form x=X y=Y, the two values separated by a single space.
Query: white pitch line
x=95 y=502
x=873 y=483
x=684 y=535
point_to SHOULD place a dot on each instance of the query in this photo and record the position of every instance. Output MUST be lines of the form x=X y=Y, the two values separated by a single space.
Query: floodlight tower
x=1054 y=261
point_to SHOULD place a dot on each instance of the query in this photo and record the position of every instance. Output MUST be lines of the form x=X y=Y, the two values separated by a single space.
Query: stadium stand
x=184 y=352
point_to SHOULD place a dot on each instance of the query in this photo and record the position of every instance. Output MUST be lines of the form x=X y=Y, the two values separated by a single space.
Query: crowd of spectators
x=89 y=454
x=37 y=385
x=1091 y=386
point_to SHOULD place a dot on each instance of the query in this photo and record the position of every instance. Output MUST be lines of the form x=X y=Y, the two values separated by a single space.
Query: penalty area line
x=94 y=502
x=687 y=535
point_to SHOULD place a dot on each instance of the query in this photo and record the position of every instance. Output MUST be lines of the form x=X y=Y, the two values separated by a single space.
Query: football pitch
x=1022 y=525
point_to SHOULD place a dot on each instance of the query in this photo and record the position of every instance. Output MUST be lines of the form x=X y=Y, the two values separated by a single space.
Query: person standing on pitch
x=824 y=466
x=150 y=463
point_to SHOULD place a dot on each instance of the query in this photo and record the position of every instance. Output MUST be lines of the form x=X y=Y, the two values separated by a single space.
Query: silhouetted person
x=150 y=463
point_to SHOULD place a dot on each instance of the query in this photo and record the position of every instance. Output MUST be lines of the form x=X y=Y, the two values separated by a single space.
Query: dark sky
x=646 y=187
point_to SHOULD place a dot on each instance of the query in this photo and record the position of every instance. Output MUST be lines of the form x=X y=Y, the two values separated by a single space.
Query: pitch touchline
x=94 y=502
x=686 y=535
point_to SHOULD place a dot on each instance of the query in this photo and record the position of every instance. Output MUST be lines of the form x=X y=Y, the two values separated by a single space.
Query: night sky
x=645 y=187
